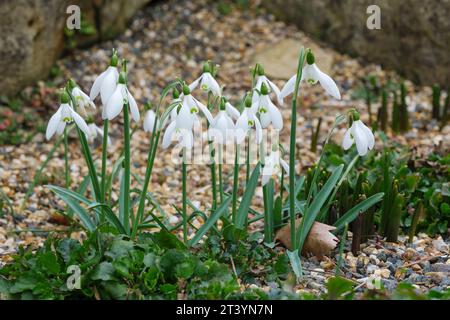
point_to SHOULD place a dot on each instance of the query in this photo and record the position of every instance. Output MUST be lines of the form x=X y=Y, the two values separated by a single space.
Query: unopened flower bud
x=310 y=57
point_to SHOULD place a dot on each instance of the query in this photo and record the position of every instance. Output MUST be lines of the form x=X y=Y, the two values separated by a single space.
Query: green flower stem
x=235 y=182
x=90 y=164
x=66 y=157
x=247 y=160
x=292 y=195
x=126 y=177
x=184 y=200
x=104 y=155
x=213 y=176
x=220 y=174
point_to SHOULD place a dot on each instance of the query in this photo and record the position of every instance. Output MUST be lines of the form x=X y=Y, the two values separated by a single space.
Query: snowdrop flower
x=95 y=131
x=64 y=115
x=268 y=112
x=360 y=134
x=246 y=121
x=262 y=79
x=206 y=81
x=186 y=120
x=312 y=74
x=106 y=83
x=120 y=96
x=82 y=99
x=222 y=127
x=149 y=119
x=272 y=166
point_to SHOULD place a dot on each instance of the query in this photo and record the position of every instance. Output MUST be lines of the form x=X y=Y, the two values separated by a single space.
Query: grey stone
x=440 y=267
x=414 y=37
x=389 y=284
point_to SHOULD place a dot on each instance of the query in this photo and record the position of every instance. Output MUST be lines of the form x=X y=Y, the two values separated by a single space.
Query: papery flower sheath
x=361 y=135
x=206 y=81
x=272 y=166
x=64 y=115
x=312 y=74
x=120 y=96
x=221 y=129
x=268 y=112
x=105 y=84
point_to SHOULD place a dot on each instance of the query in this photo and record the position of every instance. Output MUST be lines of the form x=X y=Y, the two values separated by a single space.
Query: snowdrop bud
x=114 y=59
x=310 y=57
x=71 y=84
x=264 y=89
x=206 y=67
x=64 y=97
x=259 y=70
x=175 y=94
x=186 y=90
x=122 y=78
x=248 y=100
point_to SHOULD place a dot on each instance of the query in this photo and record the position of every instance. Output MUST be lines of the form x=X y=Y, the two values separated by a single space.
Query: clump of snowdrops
x=176 y=118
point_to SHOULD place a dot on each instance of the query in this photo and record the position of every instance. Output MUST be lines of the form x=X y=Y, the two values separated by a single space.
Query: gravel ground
x=173 y=39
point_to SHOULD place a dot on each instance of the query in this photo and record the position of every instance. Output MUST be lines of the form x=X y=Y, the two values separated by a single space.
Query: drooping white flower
x=272 y=166
x=82 y=99
x=360 y=134
x=106 y=83
x=246 y=122
x=221 y=129
x=312 y=74
x=64 y=115
x=206 y=81
x=186 y=120
x=262 y=79
x=120 y=96
x=268 y=112
x=149 y=120
x=95 y=131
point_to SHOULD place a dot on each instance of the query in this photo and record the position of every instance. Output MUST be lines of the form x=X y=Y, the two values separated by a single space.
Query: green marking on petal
x=251 y=123
x=204 y=87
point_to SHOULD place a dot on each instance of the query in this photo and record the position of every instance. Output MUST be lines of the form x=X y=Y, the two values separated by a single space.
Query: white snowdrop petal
x=53 y=124
x=115 y=103
x=232 y=111
x=149 y=121
x=95 y=90
x=347 y=142
x=204 y=110
x=265 y=119
x=194 y=84
x=329 y=85
x=80 y=123
x=369 y=135
x=275 y=115
x=109 y=85
x=167 y=138
x=259 y=133
x=285 y=166
x=133 y=107
x=360 y=140
x=288 y=88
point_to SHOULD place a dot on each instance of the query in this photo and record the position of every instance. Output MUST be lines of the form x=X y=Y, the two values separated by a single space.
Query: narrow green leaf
x=247 y=197
x=210 y=222
x=351 y=214
x=75 y=206
x=296 y=264
x=311 y=212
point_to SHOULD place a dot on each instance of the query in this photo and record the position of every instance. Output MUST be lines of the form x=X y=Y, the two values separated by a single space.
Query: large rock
x=414 y=37
x=32 y=34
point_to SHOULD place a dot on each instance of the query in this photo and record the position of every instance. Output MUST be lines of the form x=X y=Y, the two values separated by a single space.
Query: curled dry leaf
x=319 y=242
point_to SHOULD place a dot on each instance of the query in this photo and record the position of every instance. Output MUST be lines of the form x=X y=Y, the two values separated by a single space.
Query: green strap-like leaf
x=311 y=212
x=247 y=197
x=351 y=214
x=210 y=222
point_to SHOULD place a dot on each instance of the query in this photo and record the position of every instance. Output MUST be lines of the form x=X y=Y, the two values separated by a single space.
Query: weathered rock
x=414 y=37
x=440 y=267
x=33 y=34
x=32 y=38
x=280 y=60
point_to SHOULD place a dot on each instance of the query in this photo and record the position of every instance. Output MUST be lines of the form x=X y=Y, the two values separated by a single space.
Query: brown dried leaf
x=319 y=242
